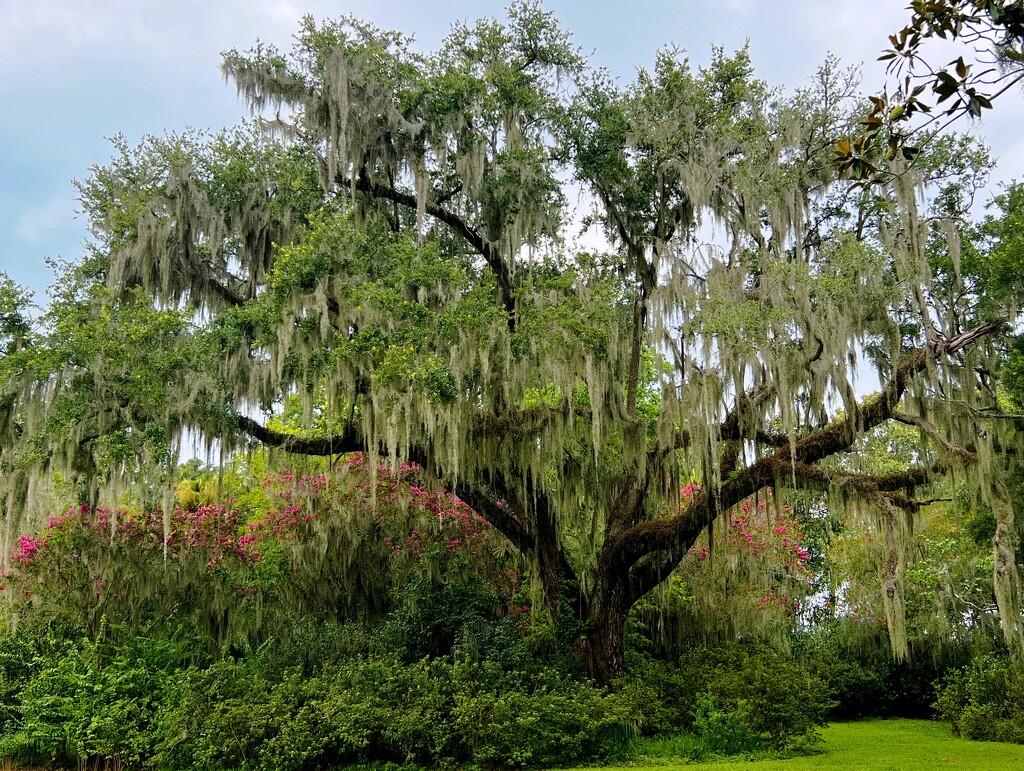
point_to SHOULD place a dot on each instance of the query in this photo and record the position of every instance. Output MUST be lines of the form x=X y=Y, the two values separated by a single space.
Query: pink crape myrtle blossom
x=230 y=535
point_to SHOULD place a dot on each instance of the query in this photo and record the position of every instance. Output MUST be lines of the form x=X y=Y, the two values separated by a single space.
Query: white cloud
x=45 y=37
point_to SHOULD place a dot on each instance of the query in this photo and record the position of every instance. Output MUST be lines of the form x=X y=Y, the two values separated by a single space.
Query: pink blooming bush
x=755 y=572
x=300 y=539
x=210 y=531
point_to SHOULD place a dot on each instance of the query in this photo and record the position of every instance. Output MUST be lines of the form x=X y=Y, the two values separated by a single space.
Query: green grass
x=879 y=745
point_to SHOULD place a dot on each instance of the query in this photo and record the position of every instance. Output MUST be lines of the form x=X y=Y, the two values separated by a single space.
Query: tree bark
x=603 y=648
x=1005 y=578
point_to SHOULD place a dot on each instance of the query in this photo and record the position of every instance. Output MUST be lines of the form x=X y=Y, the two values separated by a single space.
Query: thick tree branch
x=500 y=513
x=336 y=444
x=876 y=410
x=807 y=476
x=931 y=431
x=908 y=504
x=674 y=535
x=471 y=235
x=530 y=421
x=225 y=293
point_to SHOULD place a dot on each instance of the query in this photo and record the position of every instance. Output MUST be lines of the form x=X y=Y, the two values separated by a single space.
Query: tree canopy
x=389 y=242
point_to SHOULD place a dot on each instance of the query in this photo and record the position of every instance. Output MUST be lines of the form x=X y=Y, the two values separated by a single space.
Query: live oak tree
x=388 y=243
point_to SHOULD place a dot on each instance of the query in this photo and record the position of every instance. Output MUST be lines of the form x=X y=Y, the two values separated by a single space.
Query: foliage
x=778 y=700
x=855 y=662
x=947 y=582
x=131 y=705
x=302 y=704
x=984 y=700
x=722 y=733
x=89 y=701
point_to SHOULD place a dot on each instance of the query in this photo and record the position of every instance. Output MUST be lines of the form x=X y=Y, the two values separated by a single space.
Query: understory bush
x=984 y=700
x=735 y=697
x=73 y=700
x=84 y=703
x=859 y=670
x=134 y=702
x=722 y=732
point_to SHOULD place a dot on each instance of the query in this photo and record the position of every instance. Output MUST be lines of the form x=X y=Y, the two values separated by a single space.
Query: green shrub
x=570 y=722
x=86 y=705
x=781 y=701
x=431 y=712
x=142 y=703
x=858 y=668
x=785 y=700
x=723 y=732
x=858 y=681
x=984 y=700
x=22 y=656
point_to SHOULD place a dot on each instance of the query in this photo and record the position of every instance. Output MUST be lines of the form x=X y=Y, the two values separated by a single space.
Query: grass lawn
x=887 y=744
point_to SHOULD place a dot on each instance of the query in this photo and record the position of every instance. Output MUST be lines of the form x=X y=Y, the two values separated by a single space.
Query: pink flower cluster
x=759 y=530
x=400 y=493
x=759 y=539
x=226 y=534
x=28 y=547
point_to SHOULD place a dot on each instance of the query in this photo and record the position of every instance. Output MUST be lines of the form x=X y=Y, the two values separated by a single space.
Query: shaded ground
x=867 y=745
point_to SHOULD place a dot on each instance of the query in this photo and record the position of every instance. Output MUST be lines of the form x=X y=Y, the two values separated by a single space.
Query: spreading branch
x=932 y=432
x=629 y=554
x=326 y=446
x=498 y=266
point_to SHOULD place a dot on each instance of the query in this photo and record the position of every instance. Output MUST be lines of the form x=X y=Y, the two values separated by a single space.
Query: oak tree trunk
x=603 y=648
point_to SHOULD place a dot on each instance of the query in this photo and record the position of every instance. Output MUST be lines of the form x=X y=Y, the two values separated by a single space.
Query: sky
x=75 y=72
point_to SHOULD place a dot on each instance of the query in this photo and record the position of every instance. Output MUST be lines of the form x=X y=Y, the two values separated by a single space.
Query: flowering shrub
x=452 y=527
x=334 y=544
x=753 y=573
